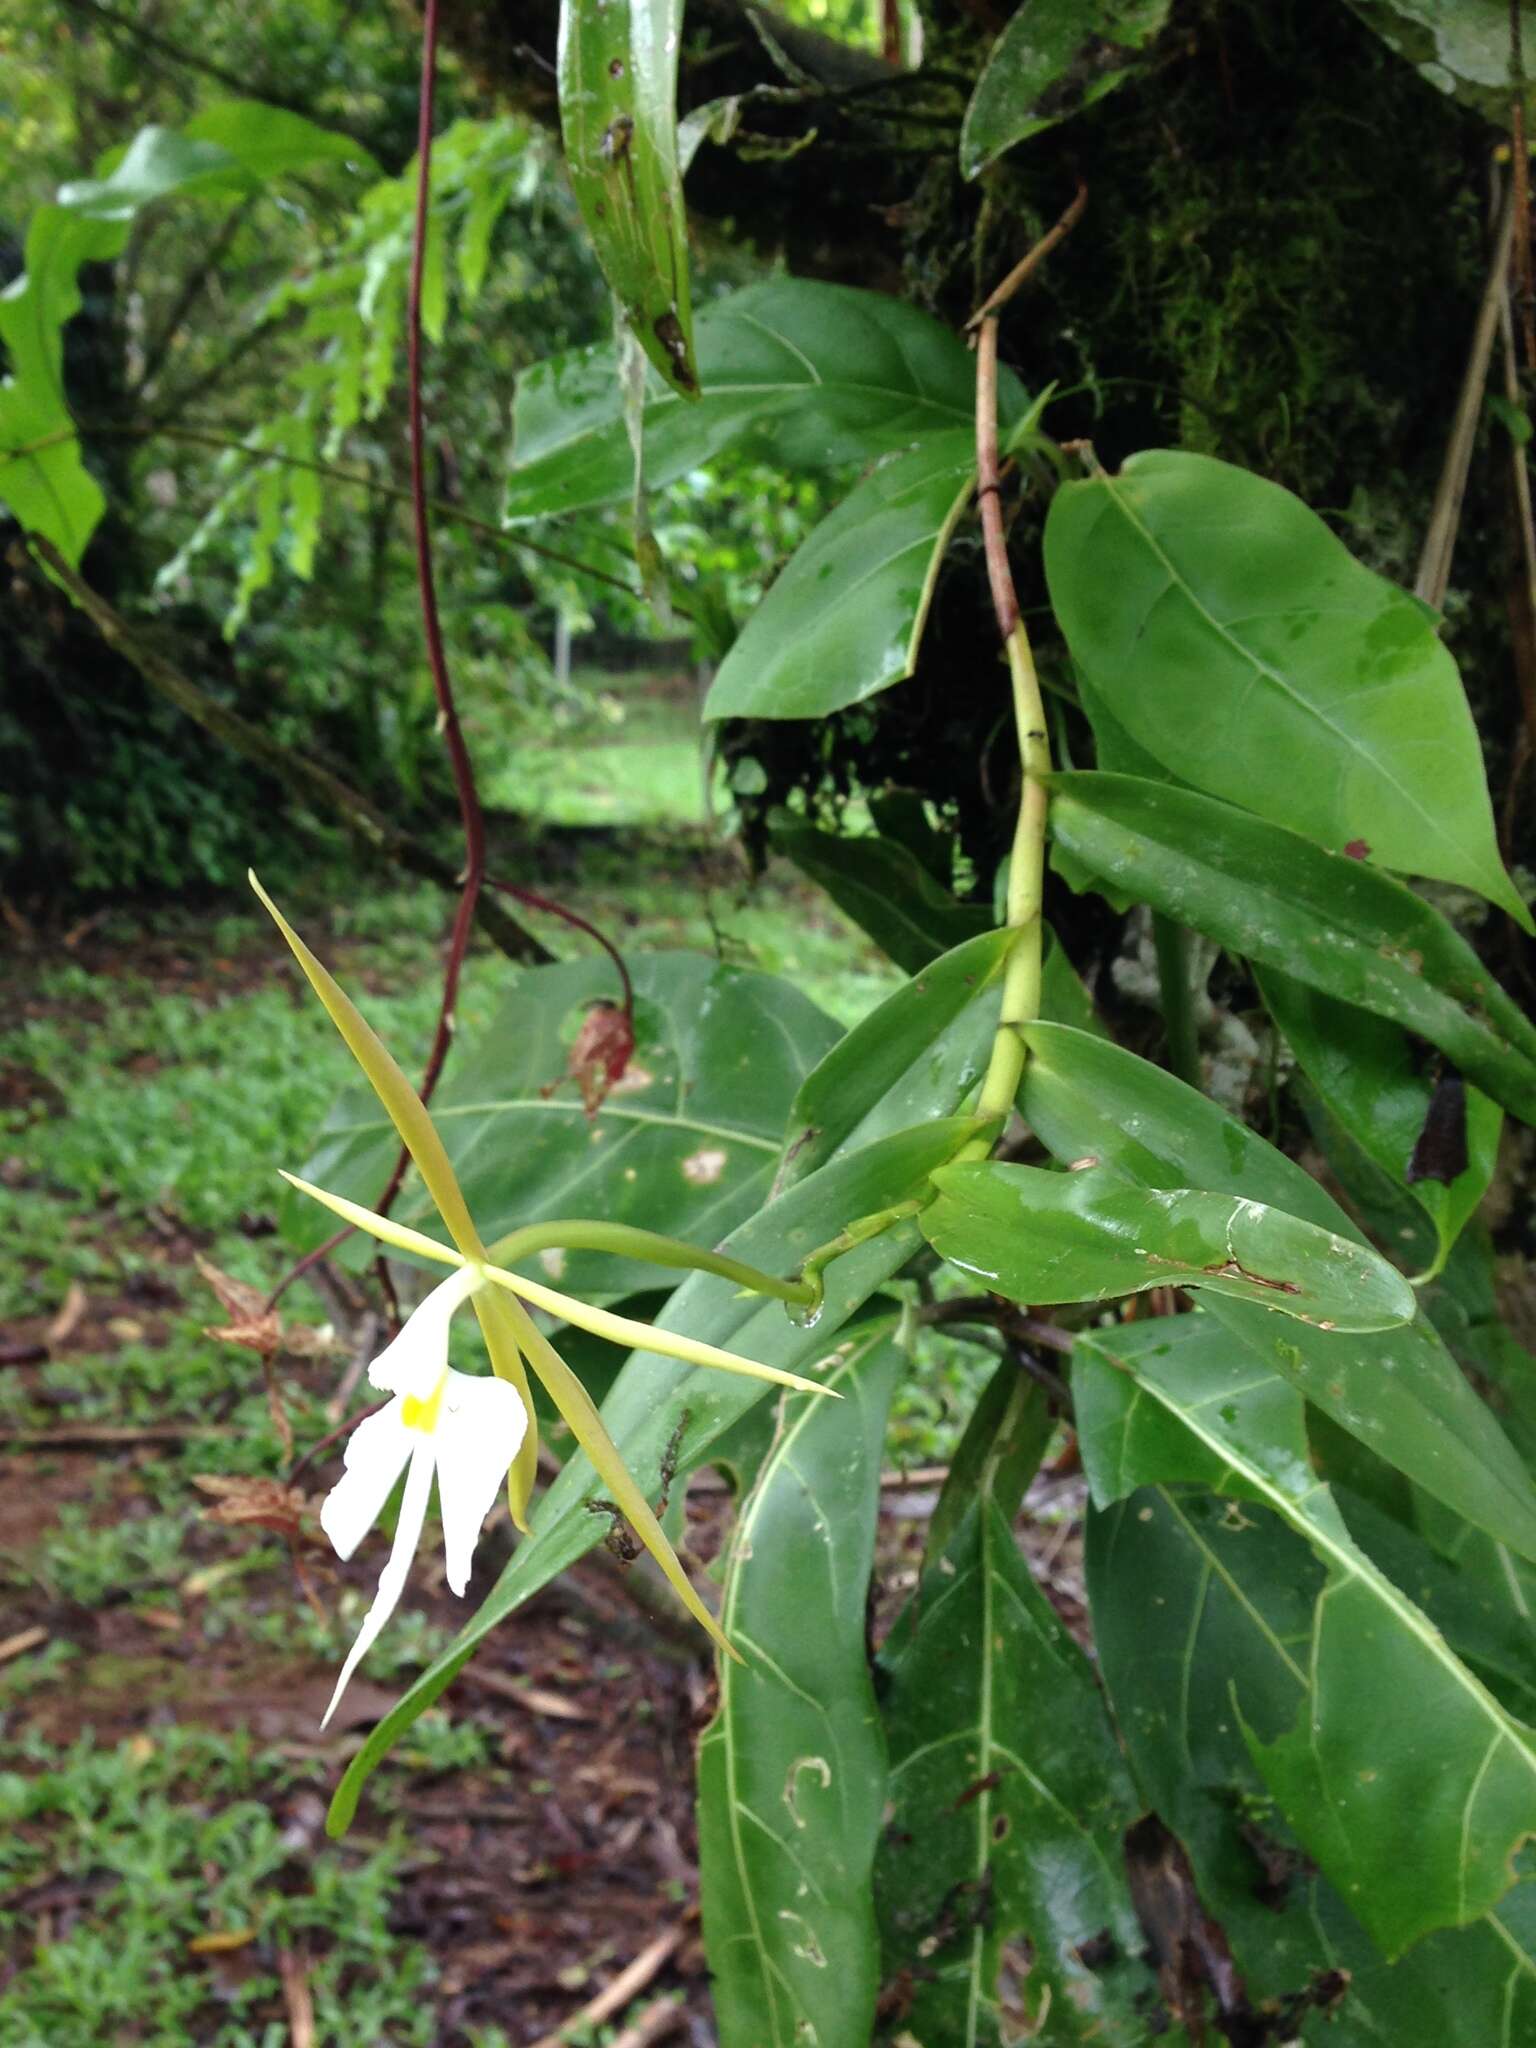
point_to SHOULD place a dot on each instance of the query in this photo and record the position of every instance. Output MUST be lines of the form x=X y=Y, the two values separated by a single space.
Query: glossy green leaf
x=1461 y=47
x=1407 y=1781
x=228 y=151
x=835 y=376
x=1238 y=641
x=1363 y=1068
x=1334 y=923
x=1203 y=1609
x=617 y=70
x=1092 y=1234
x=1465 y=1306
x=1054 y=58
x=1008 y=1800
x=915 y=1055
x=1479 y=1595
x=846 y=614
x=885 y=890
x=269 y=141
x=650 y=1396
x=686 y=1144
x=1400 y=1392
x=791 y=1770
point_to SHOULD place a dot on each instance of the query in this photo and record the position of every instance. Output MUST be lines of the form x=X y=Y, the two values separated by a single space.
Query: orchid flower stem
x=624 y=1241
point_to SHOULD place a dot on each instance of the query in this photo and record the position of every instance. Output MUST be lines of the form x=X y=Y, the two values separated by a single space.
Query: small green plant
x=175 y=1838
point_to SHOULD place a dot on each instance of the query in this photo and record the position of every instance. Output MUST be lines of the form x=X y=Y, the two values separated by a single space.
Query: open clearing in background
x=634 y=755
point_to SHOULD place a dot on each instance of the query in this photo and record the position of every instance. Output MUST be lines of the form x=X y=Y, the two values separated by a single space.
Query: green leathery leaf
x=1092 y=1235
x=1363 y=1068
x=1237 y=639
x=1233 y=1591
x=687 y=1145
x=651 y=1396
x=915 y=1054
x=617 y=72
x=845 y=615
x=1334 y=923
x=1008 y=1797
x=1399 y=1391
x=268 y=141
x=1465 y=1307
x=1000 y=1449
x=1415 y=1822
x=791 y=1770
x=1475 y=1592
x=228 y=151
x=1461 y=47
x=1054 y=58
x=835 y=375
x=885 y=889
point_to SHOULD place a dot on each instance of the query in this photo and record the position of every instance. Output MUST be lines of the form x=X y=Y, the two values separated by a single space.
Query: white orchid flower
x=471 y=1431
x=464 y=1427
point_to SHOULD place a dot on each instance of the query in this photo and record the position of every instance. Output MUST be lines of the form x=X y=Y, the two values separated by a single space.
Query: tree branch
x=306 y=778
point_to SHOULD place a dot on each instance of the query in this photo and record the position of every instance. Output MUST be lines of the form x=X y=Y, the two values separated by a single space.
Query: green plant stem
x=1026 y=883
x=625 y=1241
x=1026 y=867
x=1170 y=939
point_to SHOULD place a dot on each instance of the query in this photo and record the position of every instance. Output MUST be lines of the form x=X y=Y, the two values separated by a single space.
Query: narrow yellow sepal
x=576 y=1405
x=400 y=1235
x=404 y=1106
x=498 y=1326
x=635 y=1336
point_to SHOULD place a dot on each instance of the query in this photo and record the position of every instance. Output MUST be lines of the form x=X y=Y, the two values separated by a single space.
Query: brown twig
x=116 y=1433
x=25 y=1639
x=664 y=2016
x=1434 y=572
x=1023 y=271
x=318 y=785
x=989 y=1308
x=1520 y=182
x=298 y=1999
x=1520 y=479
x=334 y=1436
x=471 y=815
x=615 y=1996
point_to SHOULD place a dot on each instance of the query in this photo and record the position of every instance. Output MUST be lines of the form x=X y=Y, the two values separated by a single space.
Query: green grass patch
x=169 y=1840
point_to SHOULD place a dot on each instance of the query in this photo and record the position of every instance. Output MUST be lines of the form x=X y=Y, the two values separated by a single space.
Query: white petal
x=376 y=1455
x=413 y=1512
x=479 y=1428
x=413 y=1363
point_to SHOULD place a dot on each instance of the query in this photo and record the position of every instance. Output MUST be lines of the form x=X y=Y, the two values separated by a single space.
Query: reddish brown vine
x=471 y=815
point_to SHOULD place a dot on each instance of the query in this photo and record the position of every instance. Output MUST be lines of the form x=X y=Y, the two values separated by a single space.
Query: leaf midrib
x=777 y=1456
x=1276 y=676
x=724 y=1132
x=1347 y=1565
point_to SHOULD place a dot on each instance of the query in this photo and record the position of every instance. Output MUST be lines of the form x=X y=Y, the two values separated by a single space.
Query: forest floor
x=165 y=1878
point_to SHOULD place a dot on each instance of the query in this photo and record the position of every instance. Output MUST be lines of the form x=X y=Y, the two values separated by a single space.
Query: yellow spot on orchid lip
x=418 y=1414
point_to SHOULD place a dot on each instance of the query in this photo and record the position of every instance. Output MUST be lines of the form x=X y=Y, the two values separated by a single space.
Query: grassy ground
x=163 y=1874
x=634 y=756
